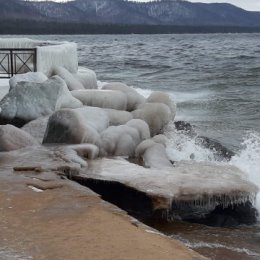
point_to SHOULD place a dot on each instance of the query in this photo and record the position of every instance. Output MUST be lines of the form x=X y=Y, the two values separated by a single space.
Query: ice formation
x=119 y=140
x=102 y=98
x=87 y=78
x=133 y=97
x=13 y=138
x=160 y=97
x=62 y=54
x=76 y=126
x=153 y=154
x=200 y=185
x=72 y=82
x=29 y=101
x=117 y=117
x=156 y=115
x=49 y=53
x=37 y=77
x=141 y=126
x=37 y=128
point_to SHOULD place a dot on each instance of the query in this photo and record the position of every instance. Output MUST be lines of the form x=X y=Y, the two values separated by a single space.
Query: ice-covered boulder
x=133 y=97
x=102 y=98
x=122 y=140
x=37 y=128
x=29 y=101
x=156 y=115
x=13 y=138
x=187 y=190
x=153 y=153
x=161 y=97
x=141 y=126
x=87 y=78
x=4 y=88
x=95 y=117
x=72 y=82
x=37 y=77
x=88 y=151
x=118 y=117
x=76 y=126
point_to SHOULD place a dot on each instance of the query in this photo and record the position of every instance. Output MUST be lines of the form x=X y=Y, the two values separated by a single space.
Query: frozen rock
x=37 y=128
x=13 y=138
x=117 y=117
x=119 y=140
x=72 y=82
x=122 y=140
x=95 y=117
x=76 y=126
x=133 y=97
x=153 y=154
x=160 y=97
x=4 y=88
x=87 y=78
x=29 y=100
x=141 y=126
x=201 y=186
x=102 y=98
x=37 y=77
x=88 y=151
x=156 y=115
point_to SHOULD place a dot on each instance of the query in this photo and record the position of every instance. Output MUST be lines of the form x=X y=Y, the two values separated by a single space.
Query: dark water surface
x=215 y=81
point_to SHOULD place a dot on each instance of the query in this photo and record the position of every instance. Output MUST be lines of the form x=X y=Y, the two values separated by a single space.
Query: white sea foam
x=200 y=244
x=181 y=146
x=248 y=160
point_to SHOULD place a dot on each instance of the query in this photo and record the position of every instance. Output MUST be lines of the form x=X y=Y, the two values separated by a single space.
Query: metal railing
x=17 y=61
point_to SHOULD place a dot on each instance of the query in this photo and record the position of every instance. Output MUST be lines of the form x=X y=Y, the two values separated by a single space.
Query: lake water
x=215 y=81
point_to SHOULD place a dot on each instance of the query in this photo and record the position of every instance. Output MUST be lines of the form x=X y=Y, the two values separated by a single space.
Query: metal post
x=12 y=63
x=35 y=60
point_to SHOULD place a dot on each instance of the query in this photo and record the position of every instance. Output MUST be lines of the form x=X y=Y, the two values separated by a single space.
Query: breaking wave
x=182 y=146
x=248 y=160
x=196 y=245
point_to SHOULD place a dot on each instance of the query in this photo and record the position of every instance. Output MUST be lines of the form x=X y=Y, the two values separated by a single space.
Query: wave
x=196 y=245
x=248 y=160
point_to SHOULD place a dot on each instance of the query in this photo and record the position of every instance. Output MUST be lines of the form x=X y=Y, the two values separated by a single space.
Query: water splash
x=181 y=146
x=200 y=244
x=248 y=160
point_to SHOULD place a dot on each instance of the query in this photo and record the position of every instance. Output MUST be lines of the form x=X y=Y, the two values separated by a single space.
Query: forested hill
x=120 y=13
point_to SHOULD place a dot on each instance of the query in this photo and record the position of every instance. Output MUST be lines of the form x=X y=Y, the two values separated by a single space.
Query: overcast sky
x=251 y=5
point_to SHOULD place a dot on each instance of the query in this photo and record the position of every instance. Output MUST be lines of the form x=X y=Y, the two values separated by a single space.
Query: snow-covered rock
x=156 y=115
x=87 y=78
x=101 y=98
x=141 y=126
x=37 y=77
x=133 y=97
x=4 y=87
x=122 y=140
x=153 y=154
x=76 y=126
x=37 y=128
x=118 y=117
x=160 y=97
x=72 y=82
x=29 y=101
x=13 y=138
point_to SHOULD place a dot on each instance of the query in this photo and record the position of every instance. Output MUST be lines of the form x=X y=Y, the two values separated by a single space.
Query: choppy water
x=215 y=81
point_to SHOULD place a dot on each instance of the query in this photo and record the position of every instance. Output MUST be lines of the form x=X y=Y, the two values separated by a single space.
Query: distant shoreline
x=32 y=27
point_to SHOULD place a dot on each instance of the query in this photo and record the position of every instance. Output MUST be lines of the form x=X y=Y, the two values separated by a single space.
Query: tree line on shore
x=39 y=27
